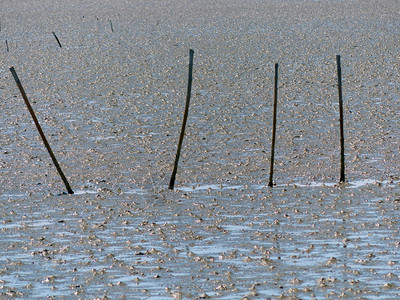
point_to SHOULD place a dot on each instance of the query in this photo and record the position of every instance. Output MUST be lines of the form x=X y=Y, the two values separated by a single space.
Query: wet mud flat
x=111 y=103
x=223 y=243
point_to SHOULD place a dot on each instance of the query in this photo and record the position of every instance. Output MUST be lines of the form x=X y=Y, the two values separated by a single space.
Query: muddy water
x=111 y=104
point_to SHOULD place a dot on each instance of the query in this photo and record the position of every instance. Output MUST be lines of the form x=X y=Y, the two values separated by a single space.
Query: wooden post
x=21 y=89
x=271 y=170
x=342 y=165
x=112 y=28
x=7 y=46
x=185 y=115
x=58 y=41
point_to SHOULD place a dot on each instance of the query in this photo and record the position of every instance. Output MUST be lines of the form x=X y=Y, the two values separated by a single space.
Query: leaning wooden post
x=185 y=115
x=271 y=169
x=58 y=41
x=21 y=89
x=342 y=166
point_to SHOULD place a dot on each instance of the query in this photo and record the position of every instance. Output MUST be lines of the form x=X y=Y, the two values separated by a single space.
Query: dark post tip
x=14 y=74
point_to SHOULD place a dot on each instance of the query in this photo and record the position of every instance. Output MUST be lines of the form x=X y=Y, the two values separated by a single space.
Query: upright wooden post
x=111 y=25
x=185 y=116
x=271 y=170
x=342 y=164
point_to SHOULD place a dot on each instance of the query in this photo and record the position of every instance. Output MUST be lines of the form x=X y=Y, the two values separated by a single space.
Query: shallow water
x=111 y=105
x=293 y=241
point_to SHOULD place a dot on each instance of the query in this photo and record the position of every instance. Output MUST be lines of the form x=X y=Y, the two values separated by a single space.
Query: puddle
x=83 y=192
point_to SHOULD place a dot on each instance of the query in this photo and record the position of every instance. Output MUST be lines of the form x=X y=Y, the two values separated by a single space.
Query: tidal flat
x=111 y=101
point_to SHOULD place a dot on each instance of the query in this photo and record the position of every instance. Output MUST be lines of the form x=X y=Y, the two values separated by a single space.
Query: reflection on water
x=294 y=241
x=351 y=184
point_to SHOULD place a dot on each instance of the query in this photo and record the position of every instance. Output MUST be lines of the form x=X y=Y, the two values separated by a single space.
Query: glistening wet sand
x=111 y=105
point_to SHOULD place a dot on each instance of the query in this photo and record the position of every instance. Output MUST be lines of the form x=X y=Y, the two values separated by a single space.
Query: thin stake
x=271 y=170
x=185 y=115
x=7 y=46
x=21 y=89
x=112 y=29
x=58 y=41
x=342 y=166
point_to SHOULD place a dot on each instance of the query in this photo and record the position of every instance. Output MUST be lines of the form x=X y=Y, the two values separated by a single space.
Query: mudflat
x=110 y=101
